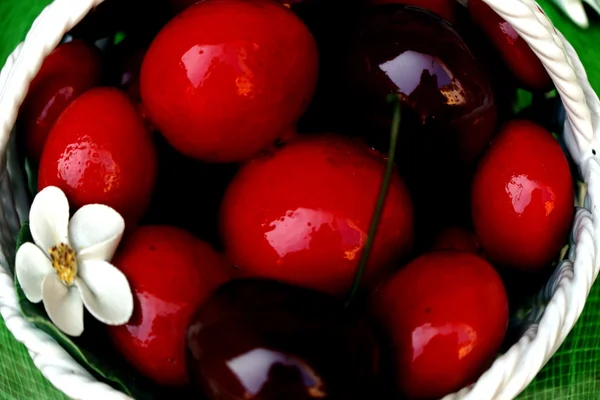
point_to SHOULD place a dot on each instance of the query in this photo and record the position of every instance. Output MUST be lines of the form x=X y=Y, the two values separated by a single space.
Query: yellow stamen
x=64 y=263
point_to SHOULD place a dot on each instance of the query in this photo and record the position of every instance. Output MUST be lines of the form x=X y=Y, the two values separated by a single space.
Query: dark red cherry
x=264 y=340
x=515 y=52
x=447 y=102
x=447 y=105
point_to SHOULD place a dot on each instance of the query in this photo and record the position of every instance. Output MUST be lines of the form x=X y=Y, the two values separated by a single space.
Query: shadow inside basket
x=111 y=29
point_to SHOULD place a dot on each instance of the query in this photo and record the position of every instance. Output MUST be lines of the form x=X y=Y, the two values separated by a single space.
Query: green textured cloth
x=573 y=373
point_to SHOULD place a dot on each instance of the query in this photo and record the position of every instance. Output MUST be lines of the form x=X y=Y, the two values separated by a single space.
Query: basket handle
x=555 y=53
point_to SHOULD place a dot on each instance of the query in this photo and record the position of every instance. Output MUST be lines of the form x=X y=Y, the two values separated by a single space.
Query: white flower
x=68 y=266
x=575 y=10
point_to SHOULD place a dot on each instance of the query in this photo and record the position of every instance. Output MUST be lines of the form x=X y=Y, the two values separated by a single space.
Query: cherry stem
x=380 y=200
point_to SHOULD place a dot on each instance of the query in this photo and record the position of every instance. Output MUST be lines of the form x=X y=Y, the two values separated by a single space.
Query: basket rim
x=512 y=371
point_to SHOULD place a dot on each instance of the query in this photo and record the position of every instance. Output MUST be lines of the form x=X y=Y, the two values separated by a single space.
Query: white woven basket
x=566 y=292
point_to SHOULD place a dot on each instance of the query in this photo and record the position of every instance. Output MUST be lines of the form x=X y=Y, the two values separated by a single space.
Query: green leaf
x=31 y=171
x=17 y=17
x=522 y=100
x=119 y=37
x=123 y=380
x=585 y=41
x=24 y=235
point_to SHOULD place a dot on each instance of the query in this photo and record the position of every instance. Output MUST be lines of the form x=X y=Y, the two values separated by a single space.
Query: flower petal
x=105 y=292
x=31 y=267
x=49 y=218
x=63 y=305
x=95 y=232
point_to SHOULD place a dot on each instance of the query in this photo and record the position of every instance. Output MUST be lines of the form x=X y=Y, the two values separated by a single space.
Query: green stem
x=380 y=202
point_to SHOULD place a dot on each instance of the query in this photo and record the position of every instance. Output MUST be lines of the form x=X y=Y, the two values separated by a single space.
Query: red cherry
x=99 y=151
x=301 y=215
x=225 y=78
x=449 y=111
x=445 y=314
x=75 y=57
x=515 y=52
x=456 y=238
x=68 y=71
x=264 y=340
x=171 y=273
x=522 y=197
x=444 y=8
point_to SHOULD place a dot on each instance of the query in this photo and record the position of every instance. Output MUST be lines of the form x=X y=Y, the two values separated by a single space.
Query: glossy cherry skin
x=516 y=53
x=264 y=340
x=225 y=78
x=445 y=314
x=447 y=104
x=522 y=197
x=67 y=72
x=456 y=238
x=301 y=215
x=100 y=151
x=75 y=57
x=171 y=273
x=448 y=108
x=444 y=8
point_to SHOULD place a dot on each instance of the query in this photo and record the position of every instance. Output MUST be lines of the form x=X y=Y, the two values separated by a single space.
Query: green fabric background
x=573 y=373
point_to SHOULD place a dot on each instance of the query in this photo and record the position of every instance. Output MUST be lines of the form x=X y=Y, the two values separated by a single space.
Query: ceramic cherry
x=522 y=197
x=516 y=53
x=99 y=151
x=171 y=273
x=445 y=314
x=444 y=8
x=265 y=340
x=226 y=78
x=301 y=215
x=67 y=72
